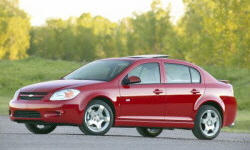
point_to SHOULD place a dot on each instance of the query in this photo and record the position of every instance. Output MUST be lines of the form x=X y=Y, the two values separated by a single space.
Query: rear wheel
x=40 y=128
x=98 y=118
x=149 y=132
x=207 y=123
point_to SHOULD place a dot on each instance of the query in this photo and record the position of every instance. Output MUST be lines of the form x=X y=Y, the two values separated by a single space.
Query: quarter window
x=196 y=78
x=148 y=73
x=177 y=73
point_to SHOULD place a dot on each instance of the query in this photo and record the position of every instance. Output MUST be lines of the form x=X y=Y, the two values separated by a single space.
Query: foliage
x=83 y=38
x=217 y=32
x=88 y=37
x=212 y=32
x=14 y=31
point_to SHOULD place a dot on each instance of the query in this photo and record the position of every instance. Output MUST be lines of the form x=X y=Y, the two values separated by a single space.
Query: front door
x=143 y=101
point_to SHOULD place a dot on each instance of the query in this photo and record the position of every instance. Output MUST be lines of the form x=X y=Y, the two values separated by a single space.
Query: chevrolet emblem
x=30 y=95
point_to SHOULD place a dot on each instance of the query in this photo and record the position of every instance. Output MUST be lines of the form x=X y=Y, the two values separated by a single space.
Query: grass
x=242 y=123
x=16 y=74
x=239 y=78
x=4 y=102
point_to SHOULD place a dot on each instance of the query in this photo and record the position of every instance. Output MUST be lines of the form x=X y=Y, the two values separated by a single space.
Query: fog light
x=56 y=113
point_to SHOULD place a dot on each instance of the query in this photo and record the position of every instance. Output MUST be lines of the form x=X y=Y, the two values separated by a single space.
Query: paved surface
x=15 y=136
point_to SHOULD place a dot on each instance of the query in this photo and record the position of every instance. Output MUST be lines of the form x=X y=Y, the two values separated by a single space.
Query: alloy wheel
x=209 y=123
x=97 y=118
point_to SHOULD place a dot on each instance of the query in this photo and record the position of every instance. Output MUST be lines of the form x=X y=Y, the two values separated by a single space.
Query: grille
x=26 y=114
x=32 y=95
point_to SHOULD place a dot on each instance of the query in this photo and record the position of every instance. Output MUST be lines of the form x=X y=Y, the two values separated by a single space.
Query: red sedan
x=149 y=92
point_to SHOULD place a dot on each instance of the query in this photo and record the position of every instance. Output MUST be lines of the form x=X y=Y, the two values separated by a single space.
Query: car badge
x=30 y=95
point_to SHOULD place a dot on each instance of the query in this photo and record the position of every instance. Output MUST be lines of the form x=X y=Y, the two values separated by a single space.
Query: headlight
x=16 y=94
x=64 y=94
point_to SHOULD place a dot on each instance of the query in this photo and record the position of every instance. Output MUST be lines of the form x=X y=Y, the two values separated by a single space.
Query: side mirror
x=131 y=80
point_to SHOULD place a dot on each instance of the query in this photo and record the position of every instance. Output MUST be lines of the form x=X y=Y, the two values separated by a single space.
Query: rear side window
x=195 y=75
x=177 y=73
x=149 y=73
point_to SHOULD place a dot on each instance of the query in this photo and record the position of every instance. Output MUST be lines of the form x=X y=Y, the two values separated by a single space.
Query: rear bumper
x=230 y=110
x=47 y=112
x=232 y=125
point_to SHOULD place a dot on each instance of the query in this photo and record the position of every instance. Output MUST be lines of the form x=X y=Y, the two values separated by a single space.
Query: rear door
x=183 y=88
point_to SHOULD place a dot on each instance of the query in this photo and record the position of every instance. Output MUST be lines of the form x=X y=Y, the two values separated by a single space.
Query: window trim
x=159 y=66
x=189 y=68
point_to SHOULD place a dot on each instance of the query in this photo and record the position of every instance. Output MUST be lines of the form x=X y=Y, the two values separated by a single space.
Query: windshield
x=103 y=70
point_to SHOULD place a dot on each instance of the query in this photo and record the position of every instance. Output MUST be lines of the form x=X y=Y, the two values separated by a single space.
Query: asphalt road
x=15 y=136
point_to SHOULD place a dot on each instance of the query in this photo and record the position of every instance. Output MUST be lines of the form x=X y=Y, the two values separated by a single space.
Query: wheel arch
x=210 y=100
x=220 y=107
x=106 y=100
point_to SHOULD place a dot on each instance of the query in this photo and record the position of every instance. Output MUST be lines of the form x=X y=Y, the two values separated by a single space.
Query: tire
x=207 y=127
x=40 y=129
x=149 y=132
x=98 y=118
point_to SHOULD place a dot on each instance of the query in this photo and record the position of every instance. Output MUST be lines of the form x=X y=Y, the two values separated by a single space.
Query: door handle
x=194 y=91
x=127 y=100
x=157 y=91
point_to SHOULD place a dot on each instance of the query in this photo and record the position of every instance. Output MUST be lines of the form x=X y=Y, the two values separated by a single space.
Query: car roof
x=140 y=57
x=150 y=57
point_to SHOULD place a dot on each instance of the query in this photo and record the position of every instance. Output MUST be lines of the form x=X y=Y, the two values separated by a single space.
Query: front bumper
x=61 y=112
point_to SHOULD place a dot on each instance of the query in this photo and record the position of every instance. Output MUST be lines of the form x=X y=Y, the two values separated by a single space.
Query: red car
x=149 y=92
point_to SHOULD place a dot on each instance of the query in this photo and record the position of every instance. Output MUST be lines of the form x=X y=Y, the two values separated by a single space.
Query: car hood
x=51 y=86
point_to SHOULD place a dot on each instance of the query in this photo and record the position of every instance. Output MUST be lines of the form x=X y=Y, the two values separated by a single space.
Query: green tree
x=14 y=31
x=151 y=28
x=212 y=32
x=217 y=32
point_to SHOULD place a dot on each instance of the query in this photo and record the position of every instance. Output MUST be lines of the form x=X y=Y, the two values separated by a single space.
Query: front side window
x=149 y=73
x=103 y=70
x=177 y=73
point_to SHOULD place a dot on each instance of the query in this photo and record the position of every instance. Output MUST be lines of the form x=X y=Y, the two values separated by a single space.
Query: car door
x=183 y=88
x=143 y=101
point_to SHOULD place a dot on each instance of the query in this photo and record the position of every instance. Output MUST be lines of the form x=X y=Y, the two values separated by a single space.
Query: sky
x=41 y=10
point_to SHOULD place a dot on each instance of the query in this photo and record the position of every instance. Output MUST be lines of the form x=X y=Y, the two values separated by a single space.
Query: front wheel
x=208 y=123
x=149 y=132
x=40 y=128
x=98 y=118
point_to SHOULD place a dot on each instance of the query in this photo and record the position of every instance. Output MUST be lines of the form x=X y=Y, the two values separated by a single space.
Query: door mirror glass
x=131 y=80
x=134 y=79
